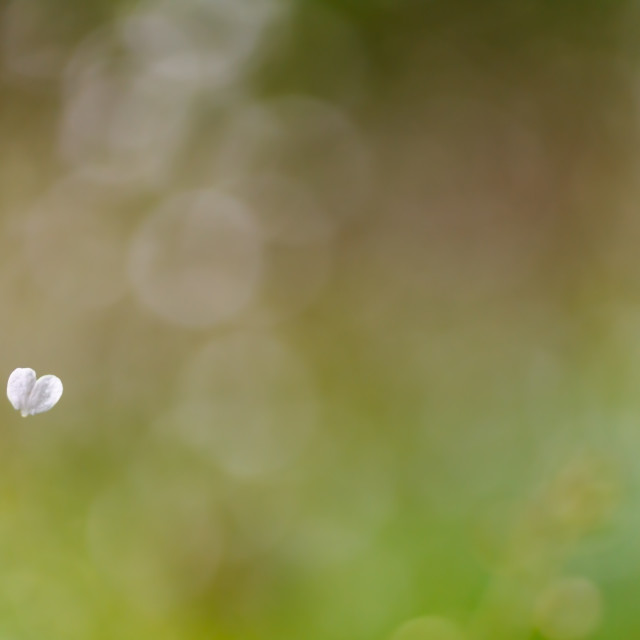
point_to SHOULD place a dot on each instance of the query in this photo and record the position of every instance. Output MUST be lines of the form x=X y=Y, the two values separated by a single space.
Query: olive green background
x=409 y=409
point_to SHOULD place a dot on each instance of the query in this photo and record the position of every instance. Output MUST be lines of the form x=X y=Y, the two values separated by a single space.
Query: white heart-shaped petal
x=31 y=396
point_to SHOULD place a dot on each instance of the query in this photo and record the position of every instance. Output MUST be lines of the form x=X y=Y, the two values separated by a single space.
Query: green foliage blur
x=345 y=296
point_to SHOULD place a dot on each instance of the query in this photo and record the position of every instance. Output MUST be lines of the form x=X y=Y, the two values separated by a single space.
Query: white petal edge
x=19 y=387
x=45 y=394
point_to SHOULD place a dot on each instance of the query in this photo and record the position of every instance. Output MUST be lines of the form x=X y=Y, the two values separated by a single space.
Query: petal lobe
x=19 y=387
x=45 y=394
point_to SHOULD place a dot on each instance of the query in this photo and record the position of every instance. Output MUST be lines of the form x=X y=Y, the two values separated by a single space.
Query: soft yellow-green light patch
x=569 y=609
x=429 y=628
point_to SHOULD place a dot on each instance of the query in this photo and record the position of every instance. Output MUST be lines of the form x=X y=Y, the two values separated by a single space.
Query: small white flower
x=31 y=396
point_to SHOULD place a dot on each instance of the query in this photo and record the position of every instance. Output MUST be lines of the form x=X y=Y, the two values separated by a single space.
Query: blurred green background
x=345 y=296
